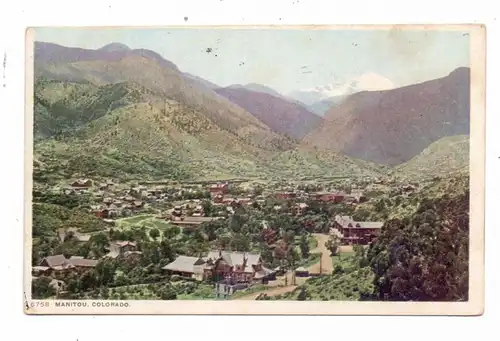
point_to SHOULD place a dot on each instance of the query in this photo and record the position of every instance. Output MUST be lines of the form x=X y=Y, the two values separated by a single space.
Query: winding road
x=326 y=259
x=326 y=268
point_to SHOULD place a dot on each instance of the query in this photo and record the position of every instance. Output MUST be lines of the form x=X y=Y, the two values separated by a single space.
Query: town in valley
x=151 y=183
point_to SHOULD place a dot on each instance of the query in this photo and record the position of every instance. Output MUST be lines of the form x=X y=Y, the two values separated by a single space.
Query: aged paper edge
x=475 y=305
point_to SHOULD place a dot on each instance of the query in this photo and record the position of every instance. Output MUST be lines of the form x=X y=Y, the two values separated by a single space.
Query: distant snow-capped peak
x=366 y=82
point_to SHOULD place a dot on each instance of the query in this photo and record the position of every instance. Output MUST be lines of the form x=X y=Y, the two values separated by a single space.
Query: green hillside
x=125 y=130
x=449 y=154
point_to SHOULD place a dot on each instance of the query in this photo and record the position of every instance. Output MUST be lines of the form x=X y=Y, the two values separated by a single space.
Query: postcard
x=255 y=170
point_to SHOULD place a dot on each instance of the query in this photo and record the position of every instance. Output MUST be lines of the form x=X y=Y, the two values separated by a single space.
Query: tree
x=88 y=281
x=360 y=256
x=258 y=190
x=104 y=271
x=208 y=208
x=240 y=242
x=304 y=246
x=41 y=288
x=303 y=294
x=154 y=233
x=424 y=256
x=292 y=257
x=289 y=237
x=171 y=232
x=332 y=244
x=168 y=293
x=98 y=244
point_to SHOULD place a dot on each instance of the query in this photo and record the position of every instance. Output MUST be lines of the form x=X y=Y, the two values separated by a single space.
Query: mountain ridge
x=279 y=114
x=392 y=126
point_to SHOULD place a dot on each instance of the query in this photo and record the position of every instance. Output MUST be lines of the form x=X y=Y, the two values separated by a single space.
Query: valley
x=150 y=182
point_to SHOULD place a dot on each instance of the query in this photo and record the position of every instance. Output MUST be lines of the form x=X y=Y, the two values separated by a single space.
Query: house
x=219 y=188
x=218 y=198
x=356 y=232
x=102 y=213
x=228 y=201
x=300 y=208
x=243 y=201
x=357 y=197
x=137 y=204
x=225 y=289
x=335 y=197
x=185 y=266
x=236 y=267
x=198 y=211
x=59 y=263
x=177 y=211
x=81 y=184
x=301 y=272
x=122 y=248
x=74 y=233
x=107 y=200
x=80 y=262
x=103 y=186
x=129 y=198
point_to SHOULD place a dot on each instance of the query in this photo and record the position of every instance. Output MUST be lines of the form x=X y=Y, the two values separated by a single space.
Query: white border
x=22 y=13
x=474 y=306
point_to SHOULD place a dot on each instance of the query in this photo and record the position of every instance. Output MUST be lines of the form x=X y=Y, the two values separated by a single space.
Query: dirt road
x=326 y=268
x=326 y=260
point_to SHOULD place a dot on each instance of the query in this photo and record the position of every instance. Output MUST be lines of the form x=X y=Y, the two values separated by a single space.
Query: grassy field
x=313 y=243
x=251 y=290
x=312 y=259
x=146 y=221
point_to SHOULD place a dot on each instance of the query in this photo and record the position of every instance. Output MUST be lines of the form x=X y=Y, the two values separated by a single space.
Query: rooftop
x=184 y=264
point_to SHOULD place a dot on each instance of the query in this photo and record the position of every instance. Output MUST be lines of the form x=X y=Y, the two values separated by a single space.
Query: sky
x=286 y=59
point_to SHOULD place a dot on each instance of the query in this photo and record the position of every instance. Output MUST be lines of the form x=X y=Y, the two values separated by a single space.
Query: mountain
x=392 y=126
x=440 y=158
x=51 y=54
x=110 y=112
x=320 y=108
x=201 y=81
x=339 y=90
x=279 y=114
x=150 y=71
x=258 y=88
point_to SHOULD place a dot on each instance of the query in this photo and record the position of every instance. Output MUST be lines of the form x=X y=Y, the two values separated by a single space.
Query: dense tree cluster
x=424 y=257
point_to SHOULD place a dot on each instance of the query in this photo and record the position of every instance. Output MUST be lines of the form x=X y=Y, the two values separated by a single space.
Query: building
x=225 y=289
x=185 y=266
x=218 y=198
x=300 y=208
x=122 y=249
x=73 y=233
x=59 y=263
x=334 y=197
x=355 y=232
x=236 y=267
x=219 y=188
x=301 y=272
x=102 y=213
x=225 y=267
x=357 y=197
